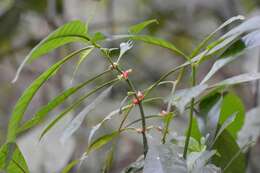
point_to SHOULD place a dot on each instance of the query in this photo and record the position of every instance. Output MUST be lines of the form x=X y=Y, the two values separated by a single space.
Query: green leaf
x=12 y=160
x=43 y=111
x=103 y=140
x=135 y=29
x=70 y=32
x=227 y=148
x=231 y=105
x=25 y=99
x=74 y=105
x=70 y=166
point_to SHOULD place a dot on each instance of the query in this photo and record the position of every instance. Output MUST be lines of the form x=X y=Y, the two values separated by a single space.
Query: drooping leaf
x=44 y=110
x=182 y=97
x=74 y=105
x=70 y=32
x=135 y=29
x=227 y=148
x=25 y=99
x=12 y=160
x=247 y=77
x=77 y=121
x=103 y=140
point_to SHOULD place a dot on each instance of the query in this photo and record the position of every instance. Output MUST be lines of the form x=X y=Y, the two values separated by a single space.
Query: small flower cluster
x=140 y=97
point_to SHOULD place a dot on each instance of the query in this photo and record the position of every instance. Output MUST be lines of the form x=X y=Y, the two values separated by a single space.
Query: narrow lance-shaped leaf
x=135 y=29
x=247 y=26
x=43 y=111
x=211 y=35
x=216 y=48
x=247 y=77
x=74 y=105
x=77 y=121
x=154 y=41
x=70 y=32
x=25 y=99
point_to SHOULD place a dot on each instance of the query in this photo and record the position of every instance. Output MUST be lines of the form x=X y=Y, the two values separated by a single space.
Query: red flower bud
x=125 y=74
x=136 y=101
x=140 y=97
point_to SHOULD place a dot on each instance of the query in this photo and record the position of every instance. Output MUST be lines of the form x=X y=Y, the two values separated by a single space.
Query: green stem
x=191 y=115
x=132 y=88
